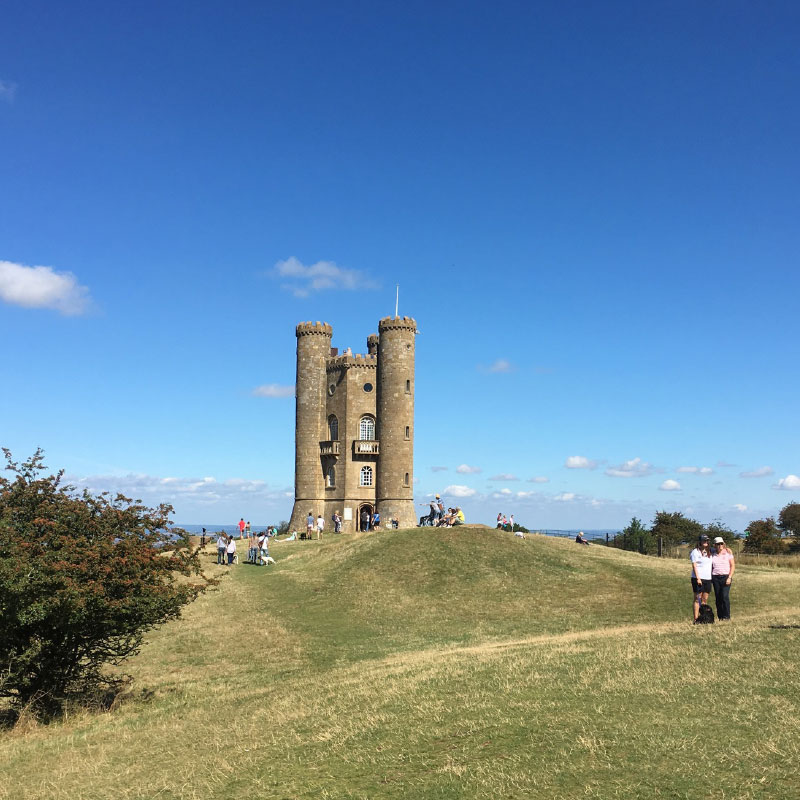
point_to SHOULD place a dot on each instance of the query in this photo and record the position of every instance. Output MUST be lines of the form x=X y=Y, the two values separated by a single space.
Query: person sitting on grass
x=458 y=517
x=581 y=539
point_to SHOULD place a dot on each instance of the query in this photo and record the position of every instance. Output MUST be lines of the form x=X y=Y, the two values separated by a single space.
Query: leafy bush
x=763 y=536
x=82 y=578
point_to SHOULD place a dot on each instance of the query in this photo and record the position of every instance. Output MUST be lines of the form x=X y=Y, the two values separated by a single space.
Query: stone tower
x=354 y=426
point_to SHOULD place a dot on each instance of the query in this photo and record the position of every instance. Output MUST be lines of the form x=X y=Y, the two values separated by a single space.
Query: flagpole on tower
x=397 y=300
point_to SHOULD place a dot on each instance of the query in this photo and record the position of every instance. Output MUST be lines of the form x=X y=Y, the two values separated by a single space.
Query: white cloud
x=456 y=490
x=740 y=507
x=635 y=468
x=8 y=90
x=539 y=479
x=466 y=469
x=670 y=485
x=523 y=495
x=504 y=476
x=761 y=472
x=789 y=483
x=579 y=462
x=273 y=390
x=301 y=280
x=722 y=463
x=42 y=287
x=203 y=491
x=565 y=497
x=501 y=365
x=696 y=470
x=438 y=469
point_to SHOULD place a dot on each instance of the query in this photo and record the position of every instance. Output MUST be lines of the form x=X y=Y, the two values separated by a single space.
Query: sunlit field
x=459 y=663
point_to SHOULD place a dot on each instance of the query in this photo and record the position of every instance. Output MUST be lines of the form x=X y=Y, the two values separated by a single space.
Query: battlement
x=349 y=360
x=398 y=324
x=314 y=328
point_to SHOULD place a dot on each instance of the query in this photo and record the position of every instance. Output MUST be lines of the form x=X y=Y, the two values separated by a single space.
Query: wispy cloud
x=670 y=485
x=500 y=365
x=301 y=279
x=789 y=483
x=273 y=390
x=539 y=479
x=761 y=472
x=42 y=287
x=565 y=497
x=203 y=491
x=457 y=490
x=635 y=468
x=740 y=507
x=504 y=476
x=438 y=469
x=580 y=462
x=696 y=470
x=8 y=90
x=466 y=469
x=725 y=464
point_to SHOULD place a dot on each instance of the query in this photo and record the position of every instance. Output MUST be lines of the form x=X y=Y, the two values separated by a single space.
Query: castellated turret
x=396 y=419
x=354 y=427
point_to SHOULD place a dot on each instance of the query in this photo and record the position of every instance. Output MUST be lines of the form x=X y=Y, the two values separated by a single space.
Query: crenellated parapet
x=349 y=360
x=397 y=324
x=314 y=329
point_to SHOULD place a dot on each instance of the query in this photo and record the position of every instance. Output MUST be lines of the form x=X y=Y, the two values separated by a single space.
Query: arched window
x=330 y=478
x=405 y=482
x=366 y=476
x=333 y=428
x=366 y=432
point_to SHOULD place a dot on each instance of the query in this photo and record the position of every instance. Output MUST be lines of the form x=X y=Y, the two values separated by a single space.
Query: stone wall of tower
x=313 y=349
x=395 y=412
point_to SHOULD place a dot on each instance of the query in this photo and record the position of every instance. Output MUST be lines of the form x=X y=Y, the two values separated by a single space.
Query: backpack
x=706 y=616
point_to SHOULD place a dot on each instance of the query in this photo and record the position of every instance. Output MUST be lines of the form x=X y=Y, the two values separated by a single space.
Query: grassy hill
x=444 y=664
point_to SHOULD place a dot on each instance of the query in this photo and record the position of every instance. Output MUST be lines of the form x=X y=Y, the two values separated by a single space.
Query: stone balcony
x=366 y=447
x=329 y=448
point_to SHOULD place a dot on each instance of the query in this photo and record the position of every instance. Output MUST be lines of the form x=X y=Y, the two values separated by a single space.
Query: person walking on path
x=723 y=565
x=701 y=573
x=248 y=531
x=320 y=526
x=222 y=544
x=231 y=550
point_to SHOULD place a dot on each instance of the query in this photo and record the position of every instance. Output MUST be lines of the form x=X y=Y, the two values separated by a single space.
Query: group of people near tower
x=711 y=569
x=438 y=517
x=257 y=551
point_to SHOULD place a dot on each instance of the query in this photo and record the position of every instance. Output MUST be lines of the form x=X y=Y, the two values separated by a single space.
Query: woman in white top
x=701 y=573
x=231 y=550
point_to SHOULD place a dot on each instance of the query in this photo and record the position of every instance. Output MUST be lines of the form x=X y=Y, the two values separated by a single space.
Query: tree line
x=770 y=535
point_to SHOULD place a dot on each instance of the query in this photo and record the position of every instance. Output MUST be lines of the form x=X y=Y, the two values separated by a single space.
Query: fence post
x=660 y=547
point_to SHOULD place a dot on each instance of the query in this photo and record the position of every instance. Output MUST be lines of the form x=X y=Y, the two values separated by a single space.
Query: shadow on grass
x=783 y=627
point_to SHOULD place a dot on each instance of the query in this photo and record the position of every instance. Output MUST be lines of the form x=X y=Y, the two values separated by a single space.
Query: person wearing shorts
x=701 y=573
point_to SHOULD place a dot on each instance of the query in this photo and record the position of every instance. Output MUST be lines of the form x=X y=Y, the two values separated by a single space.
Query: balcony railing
x=329 y=448
x=366 y=447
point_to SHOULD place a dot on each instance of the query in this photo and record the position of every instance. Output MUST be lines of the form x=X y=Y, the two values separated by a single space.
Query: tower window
x=405 y=480
x=366 y=431
x=367 y=387
x=333 y=428
x=330 y=478
x=408 y=386
x=366 y=476
x=408 y=432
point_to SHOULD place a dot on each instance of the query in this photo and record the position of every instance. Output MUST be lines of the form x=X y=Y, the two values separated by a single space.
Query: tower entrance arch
x=370 y=509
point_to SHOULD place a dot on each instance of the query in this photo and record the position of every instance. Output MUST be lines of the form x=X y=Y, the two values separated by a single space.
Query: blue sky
x=591 y=210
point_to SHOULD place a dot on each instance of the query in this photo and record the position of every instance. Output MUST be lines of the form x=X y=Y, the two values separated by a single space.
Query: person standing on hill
x=222 y=544
x=723 y=566
x=320 y=526
x=701 y=573
x=337 y=522
x=439 y=507
x=309 y=524
x=242 y=526
x=231 y=550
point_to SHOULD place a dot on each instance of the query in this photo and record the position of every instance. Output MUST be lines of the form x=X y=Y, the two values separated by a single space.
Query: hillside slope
x=457 y=663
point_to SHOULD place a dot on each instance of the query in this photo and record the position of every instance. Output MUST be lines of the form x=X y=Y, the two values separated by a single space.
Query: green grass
x=460 y=663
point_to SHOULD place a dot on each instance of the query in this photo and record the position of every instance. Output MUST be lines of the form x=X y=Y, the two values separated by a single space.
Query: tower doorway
x=360 y=519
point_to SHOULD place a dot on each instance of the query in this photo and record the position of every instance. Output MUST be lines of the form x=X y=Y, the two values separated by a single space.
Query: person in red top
x=241 y=527
x=723 y=566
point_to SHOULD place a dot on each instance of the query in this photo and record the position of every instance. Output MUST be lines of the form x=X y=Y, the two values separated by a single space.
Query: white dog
x=267 y=560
